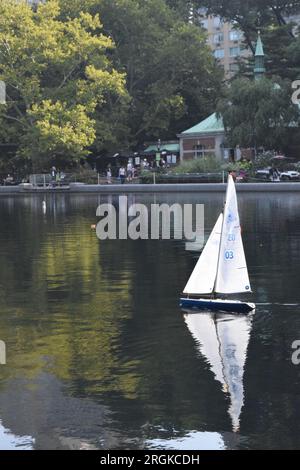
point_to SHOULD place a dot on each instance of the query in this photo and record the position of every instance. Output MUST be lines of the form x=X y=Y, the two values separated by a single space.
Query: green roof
x=163 y=148
x=210 y=125
x=259 y=52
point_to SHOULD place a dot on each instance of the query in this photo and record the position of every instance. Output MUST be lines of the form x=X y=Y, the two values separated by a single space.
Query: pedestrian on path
x=122 y=174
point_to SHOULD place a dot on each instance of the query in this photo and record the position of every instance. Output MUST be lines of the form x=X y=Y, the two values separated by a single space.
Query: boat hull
x=218 y=305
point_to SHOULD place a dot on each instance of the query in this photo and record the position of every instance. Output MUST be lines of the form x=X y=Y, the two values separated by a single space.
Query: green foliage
x=59 y=129
x=172 y=78
x=210 y=165
x=71 y=89
x=251 y=15
x=199 y=165
x=246 y=166
x=59 y=79
x=259 y=113
x=263 y=160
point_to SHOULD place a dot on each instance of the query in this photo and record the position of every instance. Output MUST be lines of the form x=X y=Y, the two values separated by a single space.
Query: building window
x=204 y=24
x=219 y=53
x=199 y=150
x=235 y=35
x=234 y=68
x=234 y=51
x=217 y=38
x=217 y=22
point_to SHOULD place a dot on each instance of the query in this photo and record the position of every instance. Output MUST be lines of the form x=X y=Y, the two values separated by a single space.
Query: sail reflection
x=223 y=340
x=191 y=441
x=9 y=441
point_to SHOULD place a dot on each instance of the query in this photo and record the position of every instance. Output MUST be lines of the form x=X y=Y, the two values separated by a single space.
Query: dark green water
x=99 y=354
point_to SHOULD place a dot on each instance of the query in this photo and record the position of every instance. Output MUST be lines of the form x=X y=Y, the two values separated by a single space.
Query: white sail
x=234 y=334
x=203 y=277
x=203 y=329
x=223 y=340
x=232 y=273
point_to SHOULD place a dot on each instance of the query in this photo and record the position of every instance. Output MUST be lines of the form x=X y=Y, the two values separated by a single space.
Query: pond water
x=99 y=355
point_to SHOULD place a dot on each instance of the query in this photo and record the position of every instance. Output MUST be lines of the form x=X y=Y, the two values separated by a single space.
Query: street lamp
x=158 y=153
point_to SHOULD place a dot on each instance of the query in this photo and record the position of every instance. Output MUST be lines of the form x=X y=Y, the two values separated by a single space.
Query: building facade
x=225 y=40
x=204 y=139
x=208 y=137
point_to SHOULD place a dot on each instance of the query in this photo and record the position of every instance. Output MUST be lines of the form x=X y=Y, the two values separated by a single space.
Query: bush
x=245 y=165
x=199 y=165
x=146 y=177
x=85 y=175
x=263 y=161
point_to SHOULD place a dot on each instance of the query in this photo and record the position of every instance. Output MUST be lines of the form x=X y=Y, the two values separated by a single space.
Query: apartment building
x=225 y=40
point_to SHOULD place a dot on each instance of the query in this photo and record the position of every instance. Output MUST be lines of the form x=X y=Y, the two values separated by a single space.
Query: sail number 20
x=229 y=255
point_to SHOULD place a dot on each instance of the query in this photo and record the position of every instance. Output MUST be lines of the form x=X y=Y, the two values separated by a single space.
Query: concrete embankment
x=154 y=188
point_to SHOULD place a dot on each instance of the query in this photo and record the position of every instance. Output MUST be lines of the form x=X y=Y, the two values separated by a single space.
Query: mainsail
x=223 y=340
x=232 y=273
x=204 y=275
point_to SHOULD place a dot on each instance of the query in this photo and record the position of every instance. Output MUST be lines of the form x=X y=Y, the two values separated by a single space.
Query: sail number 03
x=229 y=255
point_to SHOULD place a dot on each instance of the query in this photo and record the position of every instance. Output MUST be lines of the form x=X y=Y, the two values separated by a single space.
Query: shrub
x=199 y=165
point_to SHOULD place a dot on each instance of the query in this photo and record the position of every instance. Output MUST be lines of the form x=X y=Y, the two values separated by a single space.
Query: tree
x=249 y=15
x=268 y=16
x=59 y=78
x=259 y=113
x=172 y=78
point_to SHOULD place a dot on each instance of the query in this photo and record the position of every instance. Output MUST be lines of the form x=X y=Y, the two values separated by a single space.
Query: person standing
x=238 y=153
x=53 y=173
x=108 y=175
x=53 y=176
x=129 y=171
x=122 y=174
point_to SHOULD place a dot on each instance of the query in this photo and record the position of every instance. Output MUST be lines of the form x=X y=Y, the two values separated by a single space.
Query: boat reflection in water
x=9 y=441
x=191 y=441
x=223 y=340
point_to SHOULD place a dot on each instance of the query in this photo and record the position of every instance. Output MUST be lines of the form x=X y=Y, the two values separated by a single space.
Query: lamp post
x=157 y=160
x=158 y=152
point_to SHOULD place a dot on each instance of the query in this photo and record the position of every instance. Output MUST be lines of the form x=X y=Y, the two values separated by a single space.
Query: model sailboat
x=222 y=267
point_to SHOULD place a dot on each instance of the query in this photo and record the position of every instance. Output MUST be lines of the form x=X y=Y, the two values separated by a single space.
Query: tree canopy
x=172 y=78
x=271 y=18
x=259 y=113
x=105 y=75
x=58 y=78
x=100 y=75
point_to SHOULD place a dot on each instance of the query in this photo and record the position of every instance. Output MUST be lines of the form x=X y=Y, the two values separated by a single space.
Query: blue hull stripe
x=202 y=304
